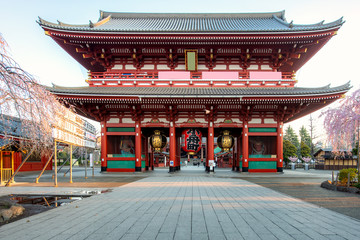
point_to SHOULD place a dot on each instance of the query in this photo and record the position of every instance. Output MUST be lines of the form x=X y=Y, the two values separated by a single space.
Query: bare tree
x=22 y=97
x=313 y=136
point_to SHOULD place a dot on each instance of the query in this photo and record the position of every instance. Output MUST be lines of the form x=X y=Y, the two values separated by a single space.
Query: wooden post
x=12 y=162
x=42 y=171
x=137 y=146
x=85 y=159
x=172 y=154
x=202 y=153
x=245 y=144
x=103 y=146
x=55 y=166
x=1 y=168
x=71 y=152
x=178 y=152
x=279 y=147
x=147 y=163
x=238 y=154
x=210 y=146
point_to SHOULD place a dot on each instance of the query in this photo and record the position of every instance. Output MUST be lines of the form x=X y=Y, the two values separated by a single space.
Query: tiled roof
x=192 y=22
x=10 y=126
x=196 y=92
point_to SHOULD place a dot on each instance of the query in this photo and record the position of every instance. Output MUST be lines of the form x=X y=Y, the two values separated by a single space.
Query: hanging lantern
x=158 y=141
x=191 y=141
x=225 y=141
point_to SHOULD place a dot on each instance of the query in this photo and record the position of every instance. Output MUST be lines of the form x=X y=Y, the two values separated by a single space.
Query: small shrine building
x=211 y=74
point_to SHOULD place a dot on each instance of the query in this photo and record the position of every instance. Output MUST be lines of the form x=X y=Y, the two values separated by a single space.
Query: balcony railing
x=192 y=79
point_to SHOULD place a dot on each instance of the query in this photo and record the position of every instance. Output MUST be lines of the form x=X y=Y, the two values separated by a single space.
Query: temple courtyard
x=189 y=204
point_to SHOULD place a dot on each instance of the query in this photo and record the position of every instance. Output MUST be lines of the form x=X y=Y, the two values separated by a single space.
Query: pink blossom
x=293 y=159
x=341 y=123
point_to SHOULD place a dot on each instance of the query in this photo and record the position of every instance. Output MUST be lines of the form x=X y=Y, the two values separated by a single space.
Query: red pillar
x=245 y=144
x=172 y=142
x=103 y=147
x=178 y=152
x=238 y=145
x=210 y=145
x=147 y=162
x=137 y=146
x=279 y=147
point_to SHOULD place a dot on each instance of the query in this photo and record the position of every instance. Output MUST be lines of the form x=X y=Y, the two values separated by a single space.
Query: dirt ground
x=30 y=209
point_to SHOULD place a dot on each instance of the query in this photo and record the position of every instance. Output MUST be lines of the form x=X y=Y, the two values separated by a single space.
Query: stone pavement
x=186 y=206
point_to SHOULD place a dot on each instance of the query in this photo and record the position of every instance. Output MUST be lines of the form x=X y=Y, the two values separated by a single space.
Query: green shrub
x=343 y=176
x=357 y=185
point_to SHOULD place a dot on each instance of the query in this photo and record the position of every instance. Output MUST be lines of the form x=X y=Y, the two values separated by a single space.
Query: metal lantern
x=191 y=141
x=158 y=141
x=225 y=141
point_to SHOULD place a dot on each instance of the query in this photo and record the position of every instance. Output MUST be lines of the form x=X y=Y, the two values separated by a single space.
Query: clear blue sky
x=38 y=54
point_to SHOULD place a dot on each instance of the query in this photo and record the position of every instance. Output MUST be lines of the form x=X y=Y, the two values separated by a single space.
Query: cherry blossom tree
x=342 y=123
x=23 y=98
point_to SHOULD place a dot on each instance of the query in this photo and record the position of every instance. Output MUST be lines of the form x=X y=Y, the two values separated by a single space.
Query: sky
x=336 y=63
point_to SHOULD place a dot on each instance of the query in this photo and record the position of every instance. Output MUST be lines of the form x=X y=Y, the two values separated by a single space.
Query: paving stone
x=186 y=207
x=165 y=236
x=199 y=236
x=130 y=236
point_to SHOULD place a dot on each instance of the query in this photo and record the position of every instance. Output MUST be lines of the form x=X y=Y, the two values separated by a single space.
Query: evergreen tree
x=291 y=136
x=289 y=150
x=304 y=136
x=305 y=150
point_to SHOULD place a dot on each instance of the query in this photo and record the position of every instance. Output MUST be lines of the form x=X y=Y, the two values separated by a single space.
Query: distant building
x=328 y=159
x=12 y=152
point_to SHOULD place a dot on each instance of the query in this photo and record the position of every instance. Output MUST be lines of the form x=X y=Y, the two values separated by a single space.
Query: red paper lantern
x=191 y=141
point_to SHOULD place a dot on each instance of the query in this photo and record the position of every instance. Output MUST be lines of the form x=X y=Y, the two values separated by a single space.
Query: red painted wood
x=31 y=166
x=228 y=125
x=103 y=144
x=190 y=125
x=245 y=146
x=210 y=145
x=172 y=141
x=120 y=124
x=147 y=164
x=238 y=145
x=279 y=147
x=138 y=144
x=120 y=133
